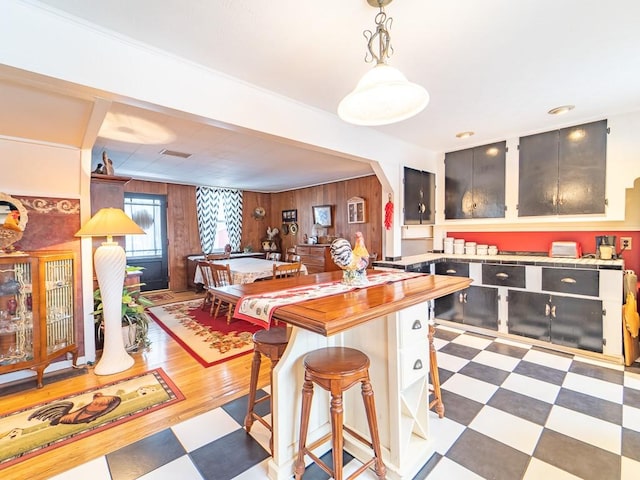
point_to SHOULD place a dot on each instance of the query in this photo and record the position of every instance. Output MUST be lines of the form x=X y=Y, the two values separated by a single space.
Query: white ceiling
x=494 y=67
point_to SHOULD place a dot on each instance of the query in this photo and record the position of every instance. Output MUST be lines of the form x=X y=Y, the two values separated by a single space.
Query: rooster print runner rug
x=258 y=309
x=35 y=429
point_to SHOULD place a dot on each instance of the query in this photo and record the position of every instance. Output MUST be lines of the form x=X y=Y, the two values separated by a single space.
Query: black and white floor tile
x=512 y=412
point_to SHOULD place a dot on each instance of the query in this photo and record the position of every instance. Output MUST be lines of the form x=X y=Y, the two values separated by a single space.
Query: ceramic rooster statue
x=60 y=412
x=347 y=258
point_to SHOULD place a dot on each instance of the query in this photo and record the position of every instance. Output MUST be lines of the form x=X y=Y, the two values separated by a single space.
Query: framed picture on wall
x=322 y=215
x=289 y=216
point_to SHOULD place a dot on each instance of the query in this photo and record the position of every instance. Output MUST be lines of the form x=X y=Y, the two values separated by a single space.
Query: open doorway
x=149 y=251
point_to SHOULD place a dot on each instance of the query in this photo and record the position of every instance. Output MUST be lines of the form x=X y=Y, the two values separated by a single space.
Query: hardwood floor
x=204 y=389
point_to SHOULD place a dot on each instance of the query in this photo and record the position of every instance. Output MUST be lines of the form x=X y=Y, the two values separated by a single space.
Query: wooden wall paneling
x=254 y=229
x=182 y=230
x=142 y=186
x=335 y=194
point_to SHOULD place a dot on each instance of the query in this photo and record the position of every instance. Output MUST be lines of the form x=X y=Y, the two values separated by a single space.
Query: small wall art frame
x=322 y=215
x=289 y=216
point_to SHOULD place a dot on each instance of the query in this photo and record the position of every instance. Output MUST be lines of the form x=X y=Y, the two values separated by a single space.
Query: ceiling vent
x=174 y=153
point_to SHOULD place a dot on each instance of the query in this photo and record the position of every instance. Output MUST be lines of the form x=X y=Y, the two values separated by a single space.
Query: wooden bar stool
x=435 y=376
x=337 y=369
x=270 y=343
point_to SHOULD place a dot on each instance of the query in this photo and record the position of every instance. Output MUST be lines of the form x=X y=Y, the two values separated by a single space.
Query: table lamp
x=110 y=264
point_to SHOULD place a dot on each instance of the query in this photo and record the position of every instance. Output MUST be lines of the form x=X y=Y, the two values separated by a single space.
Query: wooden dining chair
x=208 y=284
x=293 y=257
x=215 y=275
x=275 y=256
x=221 y=277
x=286 y=270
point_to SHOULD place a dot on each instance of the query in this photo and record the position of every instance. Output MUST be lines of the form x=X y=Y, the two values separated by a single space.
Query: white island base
x=397 y=345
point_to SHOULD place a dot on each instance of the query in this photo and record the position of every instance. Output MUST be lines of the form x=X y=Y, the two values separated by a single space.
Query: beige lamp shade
x=109 y=222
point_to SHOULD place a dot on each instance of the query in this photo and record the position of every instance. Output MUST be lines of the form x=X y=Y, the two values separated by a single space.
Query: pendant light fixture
x=383 y=95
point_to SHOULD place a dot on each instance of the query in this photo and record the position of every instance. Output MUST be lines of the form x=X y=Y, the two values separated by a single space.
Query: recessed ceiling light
x=561 y=110
x=464 y=134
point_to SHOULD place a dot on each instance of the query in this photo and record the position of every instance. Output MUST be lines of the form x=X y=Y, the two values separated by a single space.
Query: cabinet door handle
x=417 y=325
x=547 y=309
x=502 y=275
x=461 y=297
x=421 y=208
x=464 y=297
x=568 y=280
x=451 y=271
x=417 y=365
x=553 y=311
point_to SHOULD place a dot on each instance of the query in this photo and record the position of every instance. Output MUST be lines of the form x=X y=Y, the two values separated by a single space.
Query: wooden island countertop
x=337 y=313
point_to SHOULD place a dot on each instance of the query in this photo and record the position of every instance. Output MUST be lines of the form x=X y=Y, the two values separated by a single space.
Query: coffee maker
x=607 y=241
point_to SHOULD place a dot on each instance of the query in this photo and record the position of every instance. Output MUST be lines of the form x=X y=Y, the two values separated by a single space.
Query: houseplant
x=135 y=321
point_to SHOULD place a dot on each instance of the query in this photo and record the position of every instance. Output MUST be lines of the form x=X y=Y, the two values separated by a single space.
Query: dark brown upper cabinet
x=475 y=182
x=562 y=172
x=419 y=197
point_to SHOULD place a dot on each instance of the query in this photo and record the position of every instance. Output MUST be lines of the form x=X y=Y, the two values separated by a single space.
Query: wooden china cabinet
x=36 y=310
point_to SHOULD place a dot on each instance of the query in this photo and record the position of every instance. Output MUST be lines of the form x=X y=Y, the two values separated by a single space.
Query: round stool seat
x=335 y=361
x=273 y=336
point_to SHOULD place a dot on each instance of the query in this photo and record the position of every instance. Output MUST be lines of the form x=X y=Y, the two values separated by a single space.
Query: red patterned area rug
x=160 y=296
x=209 y=340
x=38 y=428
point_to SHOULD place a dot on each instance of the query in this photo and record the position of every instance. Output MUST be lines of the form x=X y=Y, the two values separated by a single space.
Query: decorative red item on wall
x=388 y=214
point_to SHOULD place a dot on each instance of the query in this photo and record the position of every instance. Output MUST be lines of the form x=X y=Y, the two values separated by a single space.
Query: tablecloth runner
x=258 y=309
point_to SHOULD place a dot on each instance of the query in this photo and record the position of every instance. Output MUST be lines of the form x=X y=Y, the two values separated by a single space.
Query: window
x=222 y=234
x=146 y=211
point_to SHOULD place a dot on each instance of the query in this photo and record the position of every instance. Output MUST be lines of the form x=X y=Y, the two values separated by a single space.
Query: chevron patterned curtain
x=232 y=202
x=207 y=204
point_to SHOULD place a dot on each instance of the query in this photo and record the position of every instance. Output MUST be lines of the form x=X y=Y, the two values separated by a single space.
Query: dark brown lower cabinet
x=569 y=321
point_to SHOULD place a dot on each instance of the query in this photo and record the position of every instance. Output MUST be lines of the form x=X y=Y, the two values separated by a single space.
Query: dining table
x=247 y=269
x=387 y=318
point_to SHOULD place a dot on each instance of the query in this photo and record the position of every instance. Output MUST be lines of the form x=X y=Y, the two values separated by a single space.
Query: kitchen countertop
x=515 y=259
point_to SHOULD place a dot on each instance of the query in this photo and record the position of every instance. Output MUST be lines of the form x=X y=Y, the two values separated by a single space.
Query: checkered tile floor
x=512 y=412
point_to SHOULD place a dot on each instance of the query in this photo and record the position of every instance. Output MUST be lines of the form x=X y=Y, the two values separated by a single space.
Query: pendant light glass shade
x=383 y=96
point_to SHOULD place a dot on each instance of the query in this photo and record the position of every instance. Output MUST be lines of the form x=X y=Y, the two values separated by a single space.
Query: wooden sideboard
x=317 y=258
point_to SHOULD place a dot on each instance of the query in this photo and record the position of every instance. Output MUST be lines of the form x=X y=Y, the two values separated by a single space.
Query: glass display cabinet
x=36 y=311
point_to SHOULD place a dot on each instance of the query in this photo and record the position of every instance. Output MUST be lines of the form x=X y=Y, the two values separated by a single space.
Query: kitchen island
x=388 y=322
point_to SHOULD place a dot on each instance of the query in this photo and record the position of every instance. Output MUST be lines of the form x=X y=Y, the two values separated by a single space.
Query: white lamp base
x=110 y=263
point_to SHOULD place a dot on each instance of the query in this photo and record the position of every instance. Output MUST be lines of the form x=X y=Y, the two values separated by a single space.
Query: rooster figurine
x=353 y=261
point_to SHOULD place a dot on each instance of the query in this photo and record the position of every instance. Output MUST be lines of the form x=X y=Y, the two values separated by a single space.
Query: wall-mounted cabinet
x=36 y=311
x=419 y=197
x=356 y=210
x=475 y=182
x=563 y=172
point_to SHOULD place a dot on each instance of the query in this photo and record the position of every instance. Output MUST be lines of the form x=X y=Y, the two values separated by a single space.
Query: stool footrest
x=261 y=420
